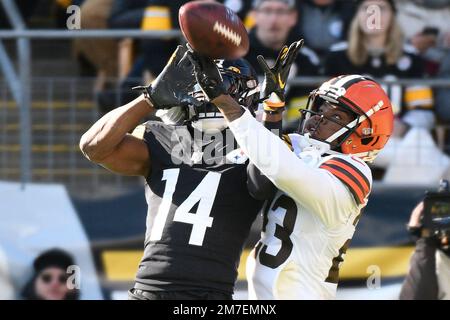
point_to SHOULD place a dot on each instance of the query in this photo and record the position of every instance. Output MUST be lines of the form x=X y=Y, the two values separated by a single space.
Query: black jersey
x=410 y=65
x=199 y=212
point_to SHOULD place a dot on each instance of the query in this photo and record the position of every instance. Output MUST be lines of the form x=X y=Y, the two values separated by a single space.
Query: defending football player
x=321 y=174
x=199 y=209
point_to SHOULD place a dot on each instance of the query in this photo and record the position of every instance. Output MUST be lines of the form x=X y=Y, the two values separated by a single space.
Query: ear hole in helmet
x=366 y=141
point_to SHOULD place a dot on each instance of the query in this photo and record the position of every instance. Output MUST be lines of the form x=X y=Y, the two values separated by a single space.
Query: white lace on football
x=227 y=33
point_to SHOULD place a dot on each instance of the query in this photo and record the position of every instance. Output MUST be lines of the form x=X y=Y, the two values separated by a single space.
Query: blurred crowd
x=385 y=39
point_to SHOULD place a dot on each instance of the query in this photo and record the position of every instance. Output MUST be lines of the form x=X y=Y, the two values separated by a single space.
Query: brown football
x=213 y=30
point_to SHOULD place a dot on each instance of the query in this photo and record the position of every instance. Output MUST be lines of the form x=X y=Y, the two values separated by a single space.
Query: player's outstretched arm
x=109 y=143
x=314 y=188
x=273 y=95
x=258 y=185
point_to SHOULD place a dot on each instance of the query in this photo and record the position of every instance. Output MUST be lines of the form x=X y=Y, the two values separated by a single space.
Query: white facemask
x=173 y=116
x=210 y=125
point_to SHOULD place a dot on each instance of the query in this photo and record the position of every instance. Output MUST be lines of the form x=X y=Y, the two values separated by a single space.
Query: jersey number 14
x=204 y=195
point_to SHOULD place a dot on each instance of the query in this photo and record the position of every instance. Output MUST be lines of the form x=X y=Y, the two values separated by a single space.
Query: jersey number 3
x=204 y=195
x=282 y=205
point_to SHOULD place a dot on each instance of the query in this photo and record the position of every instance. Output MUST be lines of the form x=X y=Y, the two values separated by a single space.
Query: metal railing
x=19 y=82
x=38 y=148
x=61 y=110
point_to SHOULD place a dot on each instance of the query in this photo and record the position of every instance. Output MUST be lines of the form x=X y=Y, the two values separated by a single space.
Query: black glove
x=207 y=74
x=170 y=89
x=275 y=78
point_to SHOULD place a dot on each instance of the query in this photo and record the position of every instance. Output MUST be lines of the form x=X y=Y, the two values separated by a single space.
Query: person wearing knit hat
x=49 y=281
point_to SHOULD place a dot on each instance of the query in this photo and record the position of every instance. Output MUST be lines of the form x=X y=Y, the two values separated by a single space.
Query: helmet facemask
x=243 y=89
x=336 y=139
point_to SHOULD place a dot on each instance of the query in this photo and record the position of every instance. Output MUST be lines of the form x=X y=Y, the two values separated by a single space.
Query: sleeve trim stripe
x=348 y=177
x=348 y=174
x=345 y=178
x=353 y=170
x=287 y=140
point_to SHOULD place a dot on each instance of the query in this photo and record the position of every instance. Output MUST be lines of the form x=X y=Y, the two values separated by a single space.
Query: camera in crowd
x=436 y=215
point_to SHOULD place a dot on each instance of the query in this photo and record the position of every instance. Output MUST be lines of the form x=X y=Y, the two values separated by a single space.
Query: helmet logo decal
x=234 y=69
x=367 y=131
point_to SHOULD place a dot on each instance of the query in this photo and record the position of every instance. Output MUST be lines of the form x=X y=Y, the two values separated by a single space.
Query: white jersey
x=310 y=222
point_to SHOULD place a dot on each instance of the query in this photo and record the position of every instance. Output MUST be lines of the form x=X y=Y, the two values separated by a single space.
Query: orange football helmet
x=365 y=136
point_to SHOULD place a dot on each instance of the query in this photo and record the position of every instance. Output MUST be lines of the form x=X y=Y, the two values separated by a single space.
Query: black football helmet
x=241 y=82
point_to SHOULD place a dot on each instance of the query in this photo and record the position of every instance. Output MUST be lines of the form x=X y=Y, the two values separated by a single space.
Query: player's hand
x=207 y=74
x=170 y=89
x=275 y=78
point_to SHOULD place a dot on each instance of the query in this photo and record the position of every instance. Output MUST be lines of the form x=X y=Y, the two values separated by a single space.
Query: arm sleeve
x=258 y=185
x=421 y=281
x=316 y=189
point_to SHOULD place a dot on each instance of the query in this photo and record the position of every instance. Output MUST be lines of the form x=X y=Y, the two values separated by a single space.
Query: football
x=213 y=30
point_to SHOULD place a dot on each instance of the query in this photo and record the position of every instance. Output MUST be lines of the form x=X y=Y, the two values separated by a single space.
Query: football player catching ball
x=199 y=208
x=320 y=173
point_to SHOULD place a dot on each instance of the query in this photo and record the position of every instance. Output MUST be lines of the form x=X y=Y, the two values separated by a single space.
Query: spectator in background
x=49 y=281
x=148 y=15
x=274 y=27
x=428 y=276
x=443 y=106
x=100 y=53
x=26 y=9
x=379 y=51
x=60 y=11
x=426 y=26
x=127 y=14
x=243 y=10
x=443 y=94
x=130 y=15
x=324 y=22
